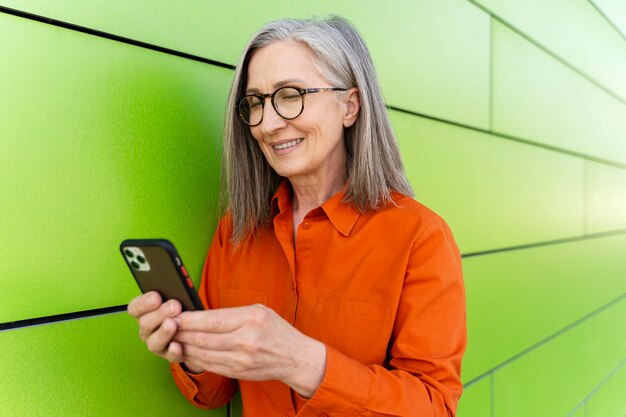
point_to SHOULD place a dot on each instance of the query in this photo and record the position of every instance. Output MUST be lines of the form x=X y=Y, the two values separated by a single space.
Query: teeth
x=287 y=144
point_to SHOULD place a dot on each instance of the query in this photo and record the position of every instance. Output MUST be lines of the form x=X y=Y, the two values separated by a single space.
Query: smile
x=287 y=144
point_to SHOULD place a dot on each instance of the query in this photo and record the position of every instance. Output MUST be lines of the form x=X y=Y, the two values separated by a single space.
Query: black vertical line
x=585 y=197
x=491 y=72
x=611 y=23
x=492 y=393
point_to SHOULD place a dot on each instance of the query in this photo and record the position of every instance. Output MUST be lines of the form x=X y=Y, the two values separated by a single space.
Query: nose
x=271 y=119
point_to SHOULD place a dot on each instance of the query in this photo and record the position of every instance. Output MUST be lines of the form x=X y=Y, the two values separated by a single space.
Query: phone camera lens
x=128 y=253
x=141 y=259
x=135 y=264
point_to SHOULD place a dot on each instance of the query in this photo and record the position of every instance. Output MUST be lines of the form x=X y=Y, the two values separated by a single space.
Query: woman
x=330 y=290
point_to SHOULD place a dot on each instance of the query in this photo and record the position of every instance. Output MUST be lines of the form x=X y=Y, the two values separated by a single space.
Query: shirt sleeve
x=422 y=374
x=207 y=390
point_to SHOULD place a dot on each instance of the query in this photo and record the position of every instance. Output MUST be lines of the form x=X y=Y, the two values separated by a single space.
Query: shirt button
x=306 y=226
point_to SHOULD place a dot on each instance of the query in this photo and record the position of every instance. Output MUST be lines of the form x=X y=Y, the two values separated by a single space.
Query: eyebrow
x=289 y=81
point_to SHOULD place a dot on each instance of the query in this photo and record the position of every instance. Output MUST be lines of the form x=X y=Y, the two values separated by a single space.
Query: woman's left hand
x=252 y=343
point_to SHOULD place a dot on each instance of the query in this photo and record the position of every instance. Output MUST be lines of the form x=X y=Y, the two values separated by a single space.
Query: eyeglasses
x=287 y=101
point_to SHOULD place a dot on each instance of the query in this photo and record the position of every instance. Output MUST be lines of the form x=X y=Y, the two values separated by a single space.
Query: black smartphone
x=156 y=266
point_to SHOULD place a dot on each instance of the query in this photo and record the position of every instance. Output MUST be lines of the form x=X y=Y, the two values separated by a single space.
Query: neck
x=309 y=194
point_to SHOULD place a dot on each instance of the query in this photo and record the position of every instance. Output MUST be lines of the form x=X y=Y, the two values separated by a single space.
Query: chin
x=289 y=172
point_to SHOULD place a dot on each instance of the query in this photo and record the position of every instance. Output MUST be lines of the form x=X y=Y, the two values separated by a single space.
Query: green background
x=511 y=117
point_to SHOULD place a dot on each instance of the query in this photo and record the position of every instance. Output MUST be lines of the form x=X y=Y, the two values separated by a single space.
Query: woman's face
x=310 y=148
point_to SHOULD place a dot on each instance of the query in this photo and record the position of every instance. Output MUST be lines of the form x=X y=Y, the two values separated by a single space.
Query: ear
x=353 y=105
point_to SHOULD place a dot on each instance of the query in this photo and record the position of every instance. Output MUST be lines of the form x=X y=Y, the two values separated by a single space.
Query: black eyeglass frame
x=262 y=98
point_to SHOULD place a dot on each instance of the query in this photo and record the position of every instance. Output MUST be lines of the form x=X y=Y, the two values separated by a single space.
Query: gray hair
x=374 y=164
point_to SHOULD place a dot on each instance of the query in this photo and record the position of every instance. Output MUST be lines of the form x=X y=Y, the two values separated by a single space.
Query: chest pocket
x=236 y=297
x=359 y=330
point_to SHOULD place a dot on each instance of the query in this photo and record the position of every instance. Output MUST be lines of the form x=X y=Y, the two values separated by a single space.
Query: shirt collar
x=342 y=215
x=282 y=198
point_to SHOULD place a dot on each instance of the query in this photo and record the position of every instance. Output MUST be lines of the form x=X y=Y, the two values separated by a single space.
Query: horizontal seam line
x=606 y=379
x=60 y=317
x=546 y=243
x=610 y=21
x=547 y=339
x=564 y=62
x=110 y=36
x=117 y=38
x=513 y=138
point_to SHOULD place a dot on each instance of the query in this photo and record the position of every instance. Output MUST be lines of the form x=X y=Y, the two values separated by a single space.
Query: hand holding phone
x=157 y=324
x=156 y=266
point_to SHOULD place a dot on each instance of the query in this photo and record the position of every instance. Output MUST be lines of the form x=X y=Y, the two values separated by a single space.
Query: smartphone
x=156 y=266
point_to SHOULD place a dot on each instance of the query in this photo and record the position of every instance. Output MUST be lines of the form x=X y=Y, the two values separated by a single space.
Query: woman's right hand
x=157 y=325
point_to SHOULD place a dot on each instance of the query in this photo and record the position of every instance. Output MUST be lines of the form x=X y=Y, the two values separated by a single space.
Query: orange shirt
x=382 y=290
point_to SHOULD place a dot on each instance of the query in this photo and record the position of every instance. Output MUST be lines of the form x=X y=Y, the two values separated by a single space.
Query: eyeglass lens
x=287 y=102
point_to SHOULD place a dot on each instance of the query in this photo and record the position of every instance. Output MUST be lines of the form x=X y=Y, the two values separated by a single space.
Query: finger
x=144 y=303
x=151 y=321
x=191 y=366
x=221 y=320
x=159 y=340
x=222 y=363
x=211 y=341
x=195 y=367
x=206 y=358
x=174 y=352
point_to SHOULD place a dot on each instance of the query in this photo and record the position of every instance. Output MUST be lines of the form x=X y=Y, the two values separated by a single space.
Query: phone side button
x=182 y=268
x=189 y=282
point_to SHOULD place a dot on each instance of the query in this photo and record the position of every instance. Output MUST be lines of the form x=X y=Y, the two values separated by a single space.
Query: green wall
x=511 y=117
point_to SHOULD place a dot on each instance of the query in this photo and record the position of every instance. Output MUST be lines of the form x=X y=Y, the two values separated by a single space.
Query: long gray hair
x=374 y=165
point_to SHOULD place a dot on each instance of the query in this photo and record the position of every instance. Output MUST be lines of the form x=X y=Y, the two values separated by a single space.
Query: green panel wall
x=518 y=298
x=585 y=354
x=615 y=12
x=579 y=412
x=606 y=198
x=608 y=400
x=92 y=367
x=101 y=141
x=537 y=98
x=511 y=121
x=421 y=67
x=574 y=31
x=476 y=399
x=498 y=193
